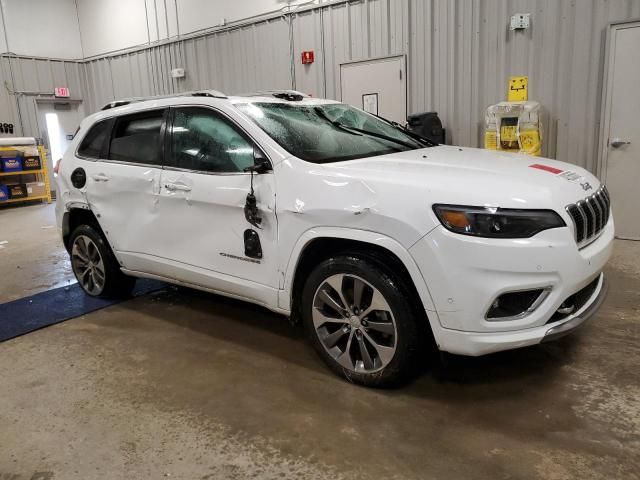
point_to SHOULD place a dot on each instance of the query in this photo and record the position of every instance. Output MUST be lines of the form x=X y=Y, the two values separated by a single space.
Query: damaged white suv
x=378 y=240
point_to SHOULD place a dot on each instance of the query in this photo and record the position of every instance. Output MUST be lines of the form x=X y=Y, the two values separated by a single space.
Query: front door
x=622 y=149
x=203 y=194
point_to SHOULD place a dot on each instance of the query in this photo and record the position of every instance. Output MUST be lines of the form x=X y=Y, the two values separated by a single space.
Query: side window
x=93 y=143
x=205 y=141
x=136 y=138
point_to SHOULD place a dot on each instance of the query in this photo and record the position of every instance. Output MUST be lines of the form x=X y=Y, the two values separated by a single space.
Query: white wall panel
x=41 y=28
x=200 y=14
x=109 y=25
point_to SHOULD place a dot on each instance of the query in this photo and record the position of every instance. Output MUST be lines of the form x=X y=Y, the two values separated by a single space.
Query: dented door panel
x=125 y=199
x=205 y=225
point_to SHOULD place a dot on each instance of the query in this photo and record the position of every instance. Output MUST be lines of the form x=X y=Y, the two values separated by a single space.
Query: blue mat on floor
x=54 y=306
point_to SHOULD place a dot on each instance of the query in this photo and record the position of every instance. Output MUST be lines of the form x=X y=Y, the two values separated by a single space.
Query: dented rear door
x=123 y=188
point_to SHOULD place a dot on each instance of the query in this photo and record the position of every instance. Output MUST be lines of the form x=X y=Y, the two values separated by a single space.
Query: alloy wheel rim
x=354 y=323
x=88 y=265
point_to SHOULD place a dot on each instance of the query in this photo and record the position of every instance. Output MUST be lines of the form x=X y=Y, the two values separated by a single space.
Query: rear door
x=203 y=192
x=123 y=186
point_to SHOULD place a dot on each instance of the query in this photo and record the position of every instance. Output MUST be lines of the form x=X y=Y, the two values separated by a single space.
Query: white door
x=622 y=140
x=203 y=194
x=123 y=184
x=58 y=123
x=376 y=86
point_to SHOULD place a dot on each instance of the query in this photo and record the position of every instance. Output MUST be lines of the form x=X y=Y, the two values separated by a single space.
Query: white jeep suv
x=377 y=239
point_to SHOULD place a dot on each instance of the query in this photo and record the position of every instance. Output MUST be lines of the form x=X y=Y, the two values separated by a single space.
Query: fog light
x=515 y=305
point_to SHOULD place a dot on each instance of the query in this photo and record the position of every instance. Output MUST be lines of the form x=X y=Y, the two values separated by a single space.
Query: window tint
x=136 y=138
x=93 y=142
x=205 y=141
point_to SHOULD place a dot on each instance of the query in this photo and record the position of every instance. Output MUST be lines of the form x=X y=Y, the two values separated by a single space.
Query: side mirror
x=261 y=164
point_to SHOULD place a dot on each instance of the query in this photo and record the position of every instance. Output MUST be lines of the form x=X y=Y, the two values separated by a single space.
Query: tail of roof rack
x=199 y=93
x=290 y=95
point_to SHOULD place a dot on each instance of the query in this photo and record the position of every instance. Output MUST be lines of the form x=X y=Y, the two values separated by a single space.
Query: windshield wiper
x=351 y=129
x=408 y=132
x=334 y=123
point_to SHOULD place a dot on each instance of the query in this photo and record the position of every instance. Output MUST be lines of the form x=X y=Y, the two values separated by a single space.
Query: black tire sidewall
x=116 y=284
x=403 y=363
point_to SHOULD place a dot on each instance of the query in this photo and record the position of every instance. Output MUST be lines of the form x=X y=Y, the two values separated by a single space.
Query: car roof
x=203 y=97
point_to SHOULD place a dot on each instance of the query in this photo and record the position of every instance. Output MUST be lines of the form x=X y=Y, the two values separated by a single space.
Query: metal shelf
x=25 y=199
x=21 y=172
x=42 y=175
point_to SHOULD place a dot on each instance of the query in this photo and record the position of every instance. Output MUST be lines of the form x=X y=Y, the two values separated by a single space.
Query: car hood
x=471 y=176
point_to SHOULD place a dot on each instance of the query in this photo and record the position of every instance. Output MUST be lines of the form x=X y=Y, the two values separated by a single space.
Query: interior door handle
x=177 y=186
x=618 y=142
x=100 y=177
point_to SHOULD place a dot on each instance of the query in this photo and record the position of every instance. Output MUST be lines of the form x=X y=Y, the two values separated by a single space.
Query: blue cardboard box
x=4 y=193
x=11 y=164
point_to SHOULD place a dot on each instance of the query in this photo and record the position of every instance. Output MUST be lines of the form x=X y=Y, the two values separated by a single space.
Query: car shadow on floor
x=257 y=328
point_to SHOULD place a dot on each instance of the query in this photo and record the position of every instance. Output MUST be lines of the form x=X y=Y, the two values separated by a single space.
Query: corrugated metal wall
x=25 y=80
x=459 y=56
x=244 y=59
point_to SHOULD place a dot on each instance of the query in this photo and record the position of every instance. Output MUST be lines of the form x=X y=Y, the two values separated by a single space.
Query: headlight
x=496 y=222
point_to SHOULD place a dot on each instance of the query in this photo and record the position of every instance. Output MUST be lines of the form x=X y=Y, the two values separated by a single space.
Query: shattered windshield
x=330 y=132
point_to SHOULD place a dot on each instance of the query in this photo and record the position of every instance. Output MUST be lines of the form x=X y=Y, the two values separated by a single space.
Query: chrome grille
x=590 y=216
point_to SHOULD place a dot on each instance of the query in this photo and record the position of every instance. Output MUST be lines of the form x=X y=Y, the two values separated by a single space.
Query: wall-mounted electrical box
x=520 y=21
x=177 y=73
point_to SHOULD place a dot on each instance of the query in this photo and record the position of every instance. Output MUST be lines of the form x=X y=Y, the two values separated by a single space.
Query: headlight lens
x=496 y=222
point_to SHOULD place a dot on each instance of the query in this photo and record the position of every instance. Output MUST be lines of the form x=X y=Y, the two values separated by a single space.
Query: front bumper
x=591 y=307
x=466 y=274
x=476 y=344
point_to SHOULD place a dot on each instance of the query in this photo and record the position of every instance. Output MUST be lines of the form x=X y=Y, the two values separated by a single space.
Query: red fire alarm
x=307 y=57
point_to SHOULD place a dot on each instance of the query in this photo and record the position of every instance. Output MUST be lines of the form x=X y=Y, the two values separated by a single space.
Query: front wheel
x=94 y=265
x=361 y=321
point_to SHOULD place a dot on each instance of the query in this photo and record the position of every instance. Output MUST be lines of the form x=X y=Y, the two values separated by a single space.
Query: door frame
x=402 y=57
x=607 y=93
x=42 y=129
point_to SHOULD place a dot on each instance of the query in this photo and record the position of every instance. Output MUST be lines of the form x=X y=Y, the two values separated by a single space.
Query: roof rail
x=197 y=93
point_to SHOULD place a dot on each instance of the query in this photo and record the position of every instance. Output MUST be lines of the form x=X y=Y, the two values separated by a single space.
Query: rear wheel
x=94 y=265
x=361 y=321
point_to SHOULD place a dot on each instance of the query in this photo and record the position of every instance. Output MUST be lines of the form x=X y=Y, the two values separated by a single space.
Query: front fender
x=374 y=238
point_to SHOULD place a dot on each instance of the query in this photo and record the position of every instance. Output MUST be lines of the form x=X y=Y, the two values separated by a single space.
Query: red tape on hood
x=546 y=168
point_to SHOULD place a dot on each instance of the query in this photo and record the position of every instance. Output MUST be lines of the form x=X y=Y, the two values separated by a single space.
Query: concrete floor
x=187 y=385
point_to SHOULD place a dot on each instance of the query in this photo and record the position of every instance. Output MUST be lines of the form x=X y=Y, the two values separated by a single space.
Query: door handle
x=618 y=142
x=100 y=177
x=172 y=187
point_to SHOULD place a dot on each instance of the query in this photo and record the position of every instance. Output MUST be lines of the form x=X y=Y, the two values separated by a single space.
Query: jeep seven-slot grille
x=590 y=216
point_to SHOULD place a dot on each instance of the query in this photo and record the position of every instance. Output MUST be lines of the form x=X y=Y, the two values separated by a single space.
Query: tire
x=95 y=266
x=392 y=345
